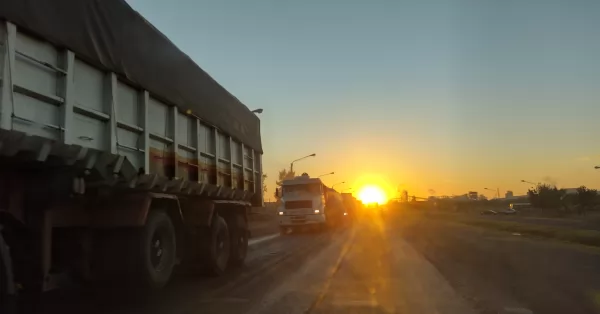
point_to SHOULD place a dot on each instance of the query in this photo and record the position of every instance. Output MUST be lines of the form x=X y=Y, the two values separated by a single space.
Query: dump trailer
x=119 y=156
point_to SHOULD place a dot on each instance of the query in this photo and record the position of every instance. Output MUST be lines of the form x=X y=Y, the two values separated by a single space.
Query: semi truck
x=119 y=156
x=351 y=204
x=307 y=202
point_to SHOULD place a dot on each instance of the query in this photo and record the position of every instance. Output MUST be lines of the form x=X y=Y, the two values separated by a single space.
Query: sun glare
x=372 y=194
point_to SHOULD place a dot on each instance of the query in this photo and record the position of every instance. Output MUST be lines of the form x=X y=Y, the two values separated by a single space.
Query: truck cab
x=306 y=201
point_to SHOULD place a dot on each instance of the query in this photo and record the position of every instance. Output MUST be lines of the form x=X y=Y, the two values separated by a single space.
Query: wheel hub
x=157 y=252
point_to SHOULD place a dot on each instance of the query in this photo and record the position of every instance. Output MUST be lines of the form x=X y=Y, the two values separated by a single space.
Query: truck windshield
x=306 y=188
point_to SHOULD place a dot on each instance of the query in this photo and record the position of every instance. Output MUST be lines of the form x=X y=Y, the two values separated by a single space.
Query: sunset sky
x=429 y=96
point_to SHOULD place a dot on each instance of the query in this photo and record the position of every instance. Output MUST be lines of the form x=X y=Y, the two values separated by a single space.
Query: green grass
x=587 y=237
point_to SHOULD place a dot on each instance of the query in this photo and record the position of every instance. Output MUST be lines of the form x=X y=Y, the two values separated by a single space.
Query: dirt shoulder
x=500 y=272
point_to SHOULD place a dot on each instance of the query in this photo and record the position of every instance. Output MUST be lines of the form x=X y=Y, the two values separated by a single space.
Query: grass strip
x=587 y=237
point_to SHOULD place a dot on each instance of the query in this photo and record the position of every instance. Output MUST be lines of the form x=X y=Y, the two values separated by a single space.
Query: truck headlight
x=317 y=211
x=280 y=213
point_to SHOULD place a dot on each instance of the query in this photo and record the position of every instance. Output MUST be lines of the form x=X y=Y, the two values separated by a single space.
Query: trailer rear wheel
x=219 y=247
x=158 y=250
x=8 y=298
x=239 y=241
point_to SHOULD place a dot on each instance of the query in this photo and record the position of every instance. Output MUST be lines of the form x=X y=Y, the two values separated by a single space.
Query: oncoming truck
x=119 y=156
x=307 y=202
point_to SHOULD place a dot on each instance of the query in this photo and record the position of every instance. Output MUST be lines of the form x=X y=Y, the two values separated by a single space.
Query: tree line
x=547 y=196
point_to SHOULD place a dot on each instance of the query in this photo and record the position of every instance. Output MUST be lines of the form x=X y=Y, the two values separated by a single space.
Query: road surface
x=396 y=266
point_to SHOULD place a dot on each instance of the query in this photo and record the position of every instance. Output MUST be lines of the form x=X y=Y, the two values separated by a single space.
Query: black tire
x=158 y=250
x=218 y=247
x=239 y=241
x=8 y=297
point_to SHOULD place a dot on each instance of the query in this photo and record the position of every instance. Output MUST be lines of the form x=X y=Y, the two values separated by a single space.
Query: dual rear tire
x=8 y=296
x=217 y=248
x=226 y=246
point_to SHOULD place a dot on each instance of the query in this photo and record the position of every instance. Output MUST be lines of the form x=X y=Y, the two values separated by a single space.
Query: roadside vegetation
x=545 y=201
x=554 y=213
x=587 y=237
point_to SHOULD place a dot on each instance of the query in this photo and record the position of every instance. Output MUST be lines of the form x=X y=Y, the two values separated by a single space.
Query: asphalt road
x=399 y=265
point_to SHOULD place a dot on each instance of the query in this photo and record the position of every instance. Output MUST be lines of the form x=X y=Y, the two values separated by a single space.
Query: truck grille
x=298 y=204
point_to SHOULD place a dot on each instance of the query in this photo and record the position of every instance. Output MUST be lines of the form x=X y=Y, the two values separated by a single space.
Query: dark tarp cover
x=111 y=34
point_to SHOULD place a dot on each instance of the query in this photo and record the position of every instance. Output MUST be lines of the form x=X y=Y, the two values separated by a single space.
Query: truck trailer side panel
x=114 y=37
x=61 y=105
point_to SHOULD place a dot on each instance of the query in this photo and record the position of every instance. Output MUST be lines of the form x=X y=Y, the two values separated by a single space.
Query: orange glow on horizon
x=372 y=194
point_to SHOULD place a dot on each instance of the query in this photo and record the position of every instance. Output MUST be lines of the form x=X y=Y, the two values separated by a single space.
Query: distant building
x=464 y=197
x=404 y=196
x=473 y=195
x=570 y=191
x=508 y=194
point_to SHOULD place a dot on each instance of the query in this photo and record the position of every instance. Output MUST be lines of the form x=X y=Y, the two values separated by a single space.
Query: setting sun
x=372 y=194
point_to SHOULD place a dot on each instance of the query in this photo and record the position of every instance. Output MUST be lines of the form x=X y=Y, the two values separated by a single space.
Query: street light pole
x=525 y=181
x=326 y=174
x=497 y=191
x=333 y=185
x=292 y=163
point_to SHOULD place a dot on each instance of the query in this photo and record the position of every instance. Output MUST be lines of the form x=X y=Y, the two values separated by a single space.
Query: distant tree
x=482 y=197
x=284 y=174
x=585 y=198
x=546 y=196
x=264 y=183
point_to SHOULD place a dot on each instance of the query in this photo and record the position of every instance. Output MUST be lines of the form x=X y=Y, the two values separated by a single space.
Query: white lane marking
x=262 y=239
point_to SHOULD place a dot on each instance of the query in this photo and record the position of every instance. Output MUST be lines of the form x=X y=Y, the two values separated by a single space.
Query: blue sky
x=444 y=95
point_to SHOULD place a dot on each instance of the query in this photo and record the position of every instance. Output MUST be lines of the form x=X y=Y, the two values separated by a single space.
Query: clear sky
x=445 y=96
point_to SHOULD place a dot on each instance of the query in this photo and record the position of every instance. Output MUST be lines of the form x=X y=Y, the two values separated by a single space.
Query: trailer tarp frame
x=111 y=34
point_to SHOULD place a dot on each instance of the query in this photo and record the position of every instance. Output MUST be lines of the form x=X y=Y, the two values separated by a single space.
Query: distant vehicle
x=518 y=206
x=489 y=212
x=351 y=204
x=373 y=205
x=509 y=212
x=306 y=201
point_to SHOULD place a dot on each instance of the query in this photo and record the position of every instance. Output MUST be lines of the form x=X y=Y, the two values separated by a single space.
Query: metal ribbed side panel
x=59 y=105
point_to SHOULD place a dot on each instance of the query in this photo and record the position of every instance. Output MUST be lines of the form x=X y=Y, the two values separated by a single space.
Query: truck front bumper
x=298 y=220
